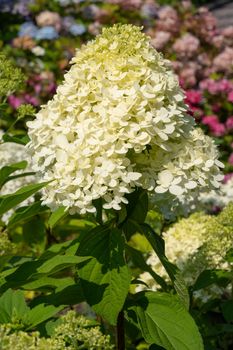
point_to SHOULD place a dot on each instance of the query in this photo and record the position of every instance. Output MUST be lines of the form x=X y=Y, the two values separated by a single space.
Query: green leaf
x=8 y=170
x=11 y=200
x=139 y=261
x=136 y=211
x=12 y=306
x=34 y=232
x=58 y=263
x=229 y=256
x=227 y=310
x=64 y=295
x=158 y=245
x=164 y=321
x=47 y=283
x=25 y=213
x=56 y=216
x=33 y=270
x=105 y=278
x=21 y=139
x=208 y=277
x=40 y=313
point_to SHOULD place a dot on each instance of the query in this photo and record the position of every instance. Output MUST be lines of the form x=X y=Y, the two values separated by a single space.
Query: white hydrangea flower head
x=11 y=152
x=218 y=198
x=115 y=122
x=194 y=244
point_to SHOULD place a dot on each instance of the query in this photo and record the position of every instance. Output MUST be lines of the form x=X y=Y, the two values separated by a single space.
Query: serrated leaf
x=164 y=321
x=105 y=278
x=11 y=200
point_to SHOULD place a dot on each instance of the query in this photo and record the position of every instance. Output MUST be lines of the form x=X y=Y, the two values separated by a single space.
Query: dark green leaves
x=164 y=321
x=105 y=277
x=11 y=200
x=31 y=274
x=208 y=277
x=136 y=211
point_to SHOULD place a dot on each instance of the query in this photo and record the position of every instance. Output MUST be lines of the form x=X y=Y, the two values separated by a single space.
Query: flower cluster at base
x=194 y=244
x=72 y=333
x=118 y=121
x=11 y=153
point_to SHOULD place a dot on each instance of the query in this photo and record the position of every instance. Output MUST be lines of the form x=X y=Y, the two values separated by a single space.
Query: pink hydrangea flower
x=160 y=40
x=224 y=61
x=186 y=46
x=168 y=20
x=228 y=32
x=230 y=159
x=230 y=96
x=49 y=18
x=229 y=123
x=216 y=128
x=193 y=96
x=15 y=101
x=227 y=177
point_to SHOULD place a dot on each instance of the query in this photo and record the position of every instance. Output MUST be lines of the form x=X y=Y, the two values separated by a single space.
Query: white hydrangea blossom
x=10 y=153
x=219 y=198
x=194 y=244
x=118 y=121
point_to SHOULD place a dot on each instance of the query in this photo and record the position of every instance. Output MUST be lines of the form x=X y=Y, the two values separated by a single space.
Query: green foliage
x=105 y=277
x=164 y=321
x=14 y=311
x=11 y=200
x=6 y=171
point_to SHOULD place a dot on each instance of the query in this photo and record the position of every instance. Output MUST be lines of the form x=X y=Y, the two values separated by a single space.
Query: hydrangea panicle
x=194 y=244
x=119 y=121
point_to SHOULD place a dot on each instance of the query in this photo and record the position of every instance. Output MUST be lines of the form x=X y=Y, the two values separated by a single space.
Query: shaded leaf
x=105 y=278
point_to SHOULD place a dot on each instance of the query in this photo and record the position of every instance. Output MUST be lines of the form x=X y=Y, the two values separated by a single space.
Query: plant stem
x=120 y=331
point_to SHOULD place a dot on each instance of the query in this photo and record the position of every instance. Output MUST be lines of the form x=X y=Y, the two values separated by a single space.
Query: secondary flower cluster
x=118 y=122
x=194 y=244
x=73 y=332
